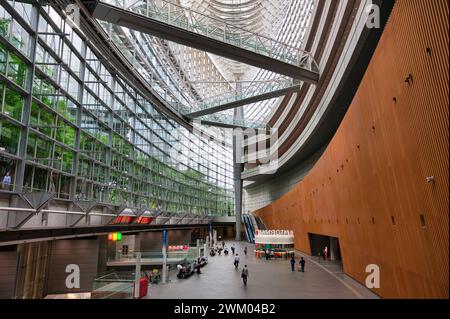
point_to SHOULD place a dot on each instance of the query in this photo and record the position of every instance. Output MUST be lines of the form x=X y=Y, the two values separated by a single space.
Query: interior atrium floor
x=272 y=279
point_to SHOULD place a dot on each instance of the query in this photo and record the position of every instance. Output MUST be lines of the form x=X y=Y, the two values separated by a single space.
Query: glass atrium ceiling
x=187 y=78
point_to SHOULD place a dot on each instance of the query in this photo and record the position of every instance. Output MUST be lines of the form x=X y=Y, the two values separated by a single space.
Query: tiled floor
x=267 y=280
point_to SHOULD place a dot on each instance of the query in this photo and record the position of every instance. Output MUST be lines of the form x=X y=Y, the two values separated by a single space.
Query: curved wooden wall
x=369 y=189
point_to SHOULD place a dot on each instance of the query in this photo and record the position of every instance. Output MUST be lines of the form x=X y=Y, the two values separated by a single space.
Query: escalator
x=252 y=223
x=249 y=230
x=252 y=227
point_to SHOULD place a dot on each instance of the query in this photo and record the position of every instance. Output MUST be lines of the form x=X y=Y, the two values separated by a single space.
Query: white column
x=137 y=276
x=238 y=114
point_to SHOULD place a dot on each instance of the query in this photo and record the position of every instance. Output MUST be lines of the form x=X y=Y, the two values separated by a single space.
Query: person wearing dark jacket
x=302 y=264
x=293 y=263
x=244 y=275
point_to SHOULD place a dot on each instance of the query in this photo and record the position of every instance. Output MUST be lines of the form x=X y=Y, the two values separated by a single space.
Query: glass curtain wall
x=70 y=125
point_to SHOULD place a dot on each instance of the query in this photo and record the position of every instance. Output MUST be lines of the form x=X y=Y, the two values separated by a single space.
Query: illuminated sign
x=143 y=220
x=115 y=236
x=178 y=248
x=274 y=232
x=123 y=220
x=274 y=237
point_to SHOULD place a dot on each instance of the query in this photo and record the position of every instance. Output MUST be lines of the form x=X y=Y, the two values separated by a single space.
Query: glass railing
x=113 y=286
x=166 y=95
x=156 y=257
x=253 y=90
x=230 y=121
x=173 y=14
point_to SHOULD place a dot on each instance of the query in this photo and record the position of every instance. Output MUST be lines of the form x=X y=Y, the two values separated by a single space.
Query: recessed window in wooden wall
x=393 y=220
x=422 y=221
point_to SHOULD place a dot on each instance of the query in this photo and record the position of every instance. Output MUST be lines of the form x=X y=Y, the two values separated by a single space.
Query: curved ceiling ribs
x=307 y=117
x=261 y=20
x=347 y=47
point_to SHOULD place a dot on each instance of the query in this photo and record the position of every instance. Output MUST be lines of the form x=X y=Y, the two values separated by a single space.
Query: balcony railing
x=187 y=19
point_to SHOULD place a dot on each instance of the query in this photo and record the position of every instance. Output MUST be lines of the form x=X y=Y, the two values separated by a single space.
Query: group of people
x=301 y=264
x=244 y=272
x=219 y=248
x=201 y=261
x=268 y=253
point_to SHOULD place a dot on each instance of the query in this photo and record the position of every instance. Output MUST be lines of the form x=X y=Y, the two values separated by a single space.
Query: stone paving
x=272 y=279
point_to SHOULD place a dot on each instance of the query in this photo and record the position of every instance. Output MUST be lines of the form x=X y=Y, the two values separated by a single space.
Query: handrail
x=260 y=89
x=199 y=23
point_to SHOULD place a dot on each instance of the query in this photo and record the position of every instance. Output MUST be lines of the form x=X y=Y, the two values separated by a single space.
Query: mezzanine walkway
x=182 y=25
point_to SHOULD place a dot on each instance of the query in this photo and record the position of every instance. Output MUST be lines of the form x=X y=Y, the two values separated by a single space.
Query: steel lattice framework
x=75 y=129
x=207 y=75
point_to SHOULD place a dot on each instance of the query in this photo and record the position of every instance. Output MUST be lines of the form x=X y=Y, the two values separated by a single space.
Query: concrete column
x=137 y=242
x=333 y=248
x=102 y=253
x=237 y=166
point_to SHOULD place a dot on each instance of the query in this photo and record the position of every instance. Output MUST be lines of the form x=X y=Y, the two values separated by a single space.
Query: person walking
x=244 y=275
x=267 y=254
x=232 y=249
x=293 y=263
x=245 y=250
x=6 y=181
x=302 y=264
x=236 y=261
